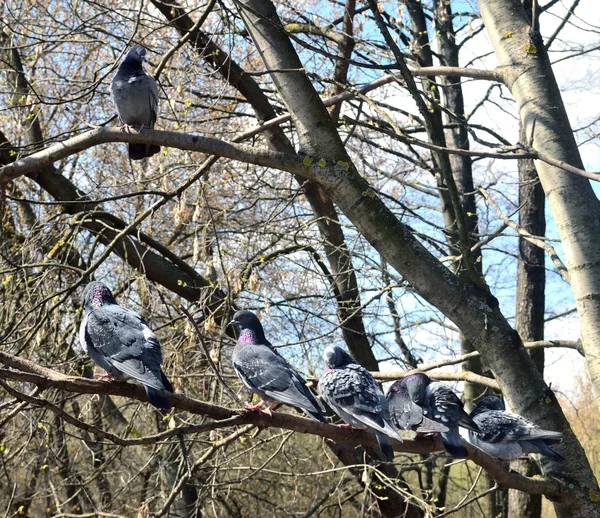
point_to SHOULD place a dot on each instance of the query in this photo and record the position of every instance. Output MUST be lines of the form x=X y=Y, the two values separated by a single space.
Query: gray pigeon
x=406 y=414
x=508 y=436
x=120 y=341
x=263 y=371
x=135 y=96
x=353 y=394
x=440 y=403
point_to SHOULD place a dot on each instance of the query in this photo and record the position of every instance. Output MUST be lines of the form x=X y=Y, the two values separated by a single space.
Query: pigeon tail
x=542 y=448
x=317 y=416
x=141 y=151
x=453 y=444
x=385 y=444
x=157 y=398
x=467 y=421
x=166 y=383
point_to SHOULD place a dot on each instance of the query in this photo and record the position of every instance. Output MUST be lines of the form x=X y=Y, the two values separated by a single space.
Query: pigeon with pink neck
x=264 y=372
x=120 y=341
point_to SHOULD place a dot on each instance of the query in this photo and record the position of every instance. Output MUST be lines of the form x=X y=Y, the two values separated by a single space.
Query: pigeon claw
x=106 y=376
x=254 y=408
x=345 y=426
x=126 y=128
x=270 y=408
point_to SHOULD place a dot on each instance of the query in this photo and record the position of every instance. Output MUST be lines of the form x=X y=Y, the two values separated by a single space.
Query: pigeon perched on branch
x=135 y=96
x=263 y=371
x=120 y=341
x=353 y=394
x=406 y=414
x=439 y=403
x=508 y=436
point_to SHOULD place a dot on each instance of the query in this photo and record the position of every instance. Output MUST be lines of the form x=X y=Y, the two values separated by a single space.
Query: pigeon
x=406 y=414
x=266 y=373
x=508 y=436
x=353 y=394
x=439 y=403
x=120 y=341
x=135 y=96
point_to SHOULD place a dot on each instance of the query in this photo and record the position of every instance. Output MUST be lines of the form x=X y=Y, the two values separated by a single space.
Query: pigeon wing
x=265 y=372
x=444 y=406
x=123 y=339
x=353 y=392
x=499 y=426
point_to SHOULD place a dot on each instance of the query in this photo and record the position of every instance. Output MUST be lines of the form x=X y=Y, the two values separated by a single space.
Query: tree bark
x=530 y=305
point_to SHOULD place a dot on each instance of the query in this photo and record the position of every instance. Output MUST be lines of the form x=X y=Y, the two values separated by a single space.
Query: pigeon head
x=396 y=387
x=491 y=403
x=97 y=294
x=136 y=55
x=335 y=357
x=415 y=385
x=250 y=328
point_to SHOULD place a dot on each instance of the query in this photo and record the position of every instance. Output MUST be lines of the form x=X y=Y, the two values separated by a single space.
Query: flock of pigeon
x=120 y=341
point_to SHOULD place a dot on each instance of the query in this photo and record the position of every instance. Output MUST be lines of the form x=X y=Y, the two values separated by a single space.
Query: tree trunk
x=530 y=305
x=576 y=210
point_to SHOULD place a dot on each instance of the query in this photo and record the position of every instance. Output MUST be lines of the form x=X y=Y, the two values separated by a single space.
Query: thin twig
x=208 y=358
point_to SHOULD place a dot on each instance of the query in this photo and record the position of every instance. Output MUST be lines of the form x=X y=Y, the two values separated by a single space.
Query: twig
x=209 y=359
x=560 y=266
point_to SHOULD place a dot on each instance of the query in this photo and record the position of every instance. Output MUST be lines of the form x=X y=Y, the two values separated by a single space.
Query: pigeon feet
x=126 y=128
x=345 y=426
x=270 y=408
x=106 y=376
x=254 y=408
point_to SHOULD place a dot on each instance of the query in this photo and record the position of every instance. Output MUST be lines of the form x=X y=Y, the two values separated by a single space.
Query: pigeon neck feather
x=250 y=336
x=99 y=298
x=131 y=67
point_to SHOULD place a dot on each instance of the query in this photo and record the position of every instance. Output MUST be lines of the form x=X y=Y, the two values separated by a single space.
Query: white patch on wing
x=132 y=79
x=82 y=327
x=148 y=334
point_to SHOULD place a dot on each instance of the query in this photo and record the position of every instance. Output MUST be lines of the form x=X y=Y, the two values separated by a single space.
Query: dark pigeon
x=353 y=394
x=135 y=96
x=508 y=436
x=263 y=371
x=406 y=414
x=120 y=341
x=441 y=404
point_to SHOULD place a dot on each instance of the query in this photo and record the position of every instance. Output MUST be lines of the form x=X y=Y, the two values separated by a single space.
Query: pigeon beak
x=232 y=323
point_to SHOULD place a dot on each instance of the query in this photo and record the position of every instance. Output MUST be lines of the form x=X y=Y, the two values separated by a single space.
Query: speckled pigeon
x=440 y=403
x=406 y=414
x=353 y=394
x=263 y=371
x=135 y=96
x=508 y=436
x=120 y=341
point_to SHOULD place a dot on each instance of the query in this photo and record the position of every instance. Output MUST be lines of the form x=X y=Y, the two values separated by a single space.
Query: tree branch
x=45 y=378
